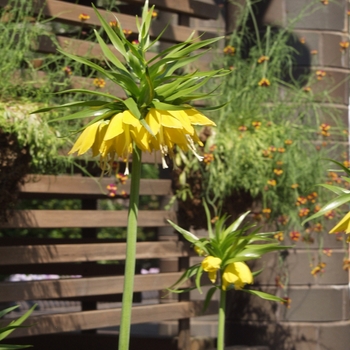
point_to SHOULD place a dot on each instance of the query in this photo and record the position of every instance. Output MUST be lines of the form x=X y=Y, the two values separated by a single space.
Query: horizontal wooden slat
x=69 y=13
x=78 y=186
x=70 y=288
x=88 y=252
x=76 y=321
x=193 y=8
x=85 y=218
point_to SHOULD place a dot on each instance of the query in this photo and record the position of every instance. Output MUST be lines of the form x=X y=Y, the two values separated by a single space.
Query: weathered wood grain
x=61 y=253
x=66 y=322
x=78 y=186
x=76 y=287
x=85 y=218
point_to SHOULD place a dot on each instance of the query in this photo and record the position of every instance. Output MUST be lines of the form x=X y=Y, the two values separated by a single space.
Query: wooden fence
x=67 y=257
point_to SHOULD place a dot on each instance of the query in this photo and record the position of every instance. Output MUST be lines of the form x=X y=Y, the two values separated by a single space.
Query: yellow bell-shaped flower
x=211 y=264
x=237 y=273
x=343 y=225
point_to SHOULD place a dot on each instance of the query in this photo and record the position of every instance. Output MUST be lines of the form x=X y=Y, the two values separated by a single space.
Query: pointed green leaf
x=263 y=295
x=187 y=235
x=198 y=279
x=115 y=40
x=234 y=226
x=91 y=92
x=132 y=107
x=72 y=104
x=8 y=310
x=208 y=297
x=81 y=114
x=13 y=347
x=333 y=204
x=336 y=189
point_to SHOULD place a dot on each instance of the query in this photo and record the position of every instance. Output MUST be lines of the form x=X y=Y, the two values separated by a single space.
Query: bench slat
x=78 y=186
x=75 y=321
x=61 y=253
x=76 y=287
x=85 y=218
x=194 y=8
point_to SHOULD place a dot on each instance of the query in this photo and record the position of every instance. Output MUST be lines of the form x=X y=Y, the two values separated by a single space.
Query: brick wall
x=318 y=317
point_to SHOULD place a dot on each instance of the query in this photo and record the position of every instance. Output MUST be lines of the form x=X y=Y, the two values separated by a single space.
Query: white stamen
x=126 y=172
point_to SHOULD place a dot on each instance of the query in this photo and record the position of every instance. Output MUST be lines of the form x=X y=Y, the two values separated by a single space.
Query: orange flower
x=124 y=194
x=208 y=158
x=266 y=212
x=324 y=127
x=346 y=264
x=127 y=32
x=328 y=252
x=242 y=128
x=317 y=269
x=343 y=45
x=320 y=74
x=256 y=125
x=301 y=200
x=317 y=208
x=229 y=50
x=294 y=186
x=318 y=227
x=279 y=162
x=272 y=149
x=281 y=150
x=278 y=172
x=312 y=197
x=114 y=24
x=67 y=70
x=314 y=52
x=302 y=40
x=84 y=17
x=279 y=236
x=154 y=14
x=263 y=59
x=282 y=219
x=325 y=2
x=304 y=212
x=112 y=190
x=266 y=153
x=272 y=182
x=329 y=215
x=264 y=82
x=122 y=178
x=346 y=163
x=307 y=89
x=294 y=235
x=286 y=302
x=99 y=82
x=288 y=142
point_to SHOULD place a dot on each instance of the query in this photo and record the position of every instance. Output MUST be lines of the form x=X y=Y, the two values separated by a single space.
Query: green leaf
x=198 y=279
x=208 y=297
x=168 y=107
x=115 y=40
x=109 y=54
x=233 y=227
x=191 y=271
x=81 y=114
x=17 y=322
x=333 y=204
x=336 y=189
x=132 y=107
x=8 y=310
x=91 y=92
x=209 y=224
x=187 y=235
x=263 y=295
x=72 y=104
x=87 y=63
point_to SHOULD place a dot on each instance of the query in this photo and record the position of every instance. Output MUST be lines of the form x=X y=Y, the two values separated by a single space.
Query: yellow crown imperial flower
x=238 y=274
x=211 y=264
x=343 y=225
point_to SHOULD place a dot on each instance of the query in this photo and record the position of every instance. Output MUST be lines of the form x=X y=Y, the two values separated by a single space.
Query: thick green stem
x=130 y=262
x=221 y=325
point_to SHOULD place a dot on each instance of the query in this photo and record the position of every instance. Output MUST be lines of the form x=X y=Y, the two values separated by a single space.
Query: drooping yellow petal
x=99 y=138
x=85 y=140
x=237 y=273
x=169 y=121
x=182 y=117
x=130 y=119
x=142 y=138
x=343 y=225
x=115 y=127
x=152 y=119
x=211 y=264
x=197 y=118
